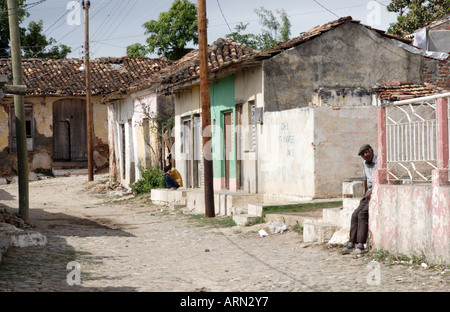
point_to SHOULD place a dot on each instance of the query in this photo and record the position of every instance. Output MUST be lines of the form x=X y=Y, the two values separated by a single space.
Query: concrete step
x=291 y=220
x=332 y=215
x=318 y=232
x=244 y=219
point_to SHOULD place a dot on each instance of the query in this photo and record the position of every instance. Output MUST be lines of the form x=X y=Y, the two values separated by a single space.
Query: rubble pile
x=11 y=218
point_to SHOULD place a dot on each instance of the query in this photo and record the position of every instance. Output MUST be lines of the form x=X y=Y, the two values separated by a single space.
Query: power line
x=223 y=15
x=326 y=9
x=118 y=24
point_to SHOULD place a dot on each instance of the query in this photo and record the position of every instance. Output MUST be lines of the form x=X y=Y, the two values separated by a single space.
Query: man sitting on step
x=173 y=178
x=359 y=226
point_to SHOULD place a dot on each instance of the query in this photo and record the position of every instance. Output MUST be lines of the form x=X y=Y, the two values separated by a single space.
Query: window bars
x=411 y=140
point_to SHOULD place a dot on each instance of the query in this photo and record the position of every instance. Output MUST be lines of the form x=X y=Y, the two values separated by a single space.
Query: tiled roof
x=222 y=54
x=319 y=30
x=63 y=77
x=401 y=90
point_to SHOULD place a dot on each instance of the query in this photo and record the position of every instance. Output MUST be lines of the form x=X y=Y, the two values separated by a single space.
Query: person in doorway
x=173 y=178
x=359 y=226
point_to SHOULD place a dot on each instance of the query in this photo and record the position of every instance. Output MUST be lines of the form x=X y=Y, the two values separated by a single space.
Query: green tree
x=4 y=25
x=170 y=34
x=34 y=42
x=274 y=30
x=137 y=49
x=415 y=14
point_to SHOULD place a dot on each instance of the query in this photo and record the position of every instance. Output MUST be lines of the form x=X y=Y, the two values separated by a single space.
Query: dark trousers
x=359 y=226
x=171 y=182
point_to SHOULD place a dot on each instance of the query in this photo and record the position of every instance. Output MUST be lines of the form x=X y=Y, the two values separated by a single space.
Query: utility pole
x=206 y=114
x=19 y=110
x=89 y=110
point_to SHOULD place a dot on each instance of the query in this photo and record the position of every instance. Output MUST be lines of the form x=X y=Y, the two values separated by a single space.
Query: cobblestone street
x=131 y=245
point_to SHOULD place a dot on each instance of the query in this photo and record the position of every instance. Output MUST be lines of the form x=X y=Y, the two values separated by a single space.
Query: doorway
x=228 y=144
x=69 y=131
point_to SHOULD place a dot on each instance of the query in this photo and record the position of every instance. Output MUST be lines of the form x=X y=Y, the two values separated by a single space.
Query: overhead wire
x=326 y=8
x=223 y=15
x=117 y=26
x=107 y=19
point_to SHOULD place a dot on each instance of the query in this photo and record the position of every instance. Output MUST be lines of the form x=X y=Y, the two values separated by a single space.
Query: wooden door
x=69 y=130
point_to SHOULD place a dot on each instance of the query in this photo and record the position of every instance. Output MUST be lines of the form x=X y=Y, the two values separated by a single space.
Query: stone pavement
x=131 y=245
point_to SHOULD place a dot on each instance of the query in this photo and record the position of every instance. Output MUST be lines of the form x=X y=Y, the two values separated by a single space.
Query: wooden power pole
x=89 y=110
x=206 y=114
x=19 y=110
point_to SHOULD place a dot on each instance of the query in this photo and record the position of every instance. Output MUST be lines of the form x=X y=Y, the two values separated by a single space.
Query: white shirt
x=367 y=171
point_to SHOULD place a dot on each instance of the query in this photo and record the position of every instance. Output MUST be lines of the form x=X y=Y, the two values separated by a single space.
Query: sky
x=115 y=24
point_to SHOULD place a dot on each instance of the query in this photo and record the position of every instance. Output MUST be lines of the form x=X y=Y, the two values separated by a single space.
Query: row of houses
x=285 y=121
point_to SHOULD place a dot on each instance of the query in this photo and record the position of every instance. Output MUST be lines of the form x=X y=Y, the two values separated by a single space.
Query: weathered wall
x=187 y=103
x=349 y=56
x=145 y=131
x=41 y=156
x=338 y=134
x=437 y=72
x=286 y=153
x=411 y=220
x=248 y=93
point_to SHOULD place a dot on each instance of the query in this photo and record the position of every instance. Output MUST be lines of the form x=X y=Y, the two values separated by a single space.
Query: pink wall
x=413 y=219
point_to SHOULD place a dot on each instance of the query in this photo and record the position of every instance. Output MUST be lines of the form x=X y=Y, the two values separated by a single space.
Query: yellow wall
x=43 y=119
x=4 y=130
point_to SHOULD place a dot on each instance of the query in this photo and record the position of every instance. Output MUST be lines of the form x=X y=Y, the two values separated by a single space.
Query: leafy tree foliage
x=34 y=43
x=170 y=34
x=4 y=25
x=415 y=14
x=137 y=49
x=274 y=30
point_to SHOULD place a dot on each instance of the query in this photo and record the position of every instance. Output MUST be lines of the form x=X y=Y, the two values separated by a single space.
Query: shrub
x=152 y=178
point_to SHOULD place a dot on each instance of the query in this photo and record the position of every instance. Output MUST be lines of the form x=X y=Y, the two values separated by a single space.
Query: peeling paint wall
x=41 y=156
x=4 y=129
x=134 y=138
x=411 y=220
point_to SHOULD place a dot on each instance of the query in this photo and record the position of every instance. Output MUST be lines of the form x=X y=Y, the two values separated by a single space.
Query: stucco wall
x=248 y=92
x=41 y=156
x=338 y=134
x=411 y=220
x=187 y=103
x=349 y=56
x=286 y=153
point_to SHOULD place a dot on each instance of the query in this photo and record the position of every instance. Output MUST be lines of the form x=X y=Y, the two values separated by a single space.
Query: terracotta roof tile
x=401 y=90
x=222 y=53
x=63 y=77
